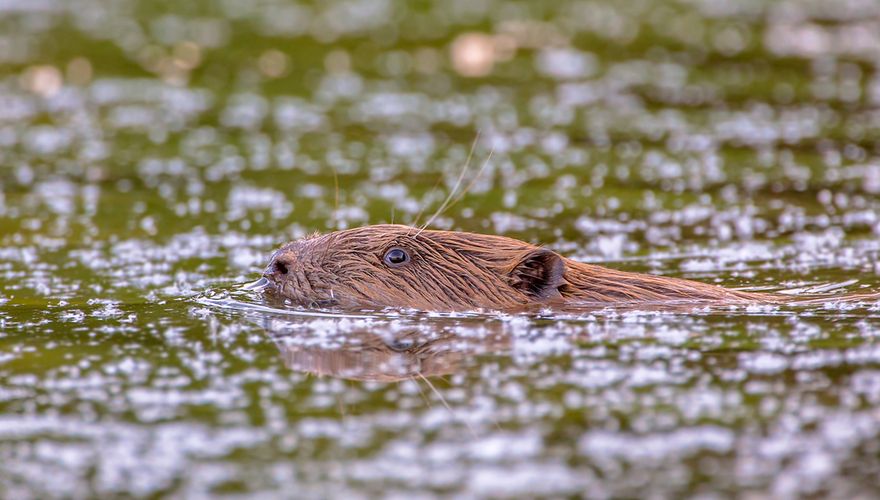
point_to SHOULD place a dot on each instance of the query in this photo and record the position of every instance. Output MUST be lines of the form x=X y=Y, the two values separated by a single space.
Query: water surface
x=153 y=154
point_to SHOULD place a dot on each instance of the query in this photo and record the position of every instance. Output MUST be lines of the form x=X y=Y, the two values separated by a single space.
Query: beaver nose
x=278 y=267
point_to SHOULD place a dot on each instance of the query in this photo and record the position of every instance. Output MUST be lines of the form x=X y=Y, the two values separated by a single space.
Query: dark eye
x=396 y=257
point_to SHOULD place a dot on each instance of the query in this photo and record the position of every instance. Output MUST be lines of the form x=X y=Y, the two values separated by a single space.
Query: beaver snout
x=278 y=267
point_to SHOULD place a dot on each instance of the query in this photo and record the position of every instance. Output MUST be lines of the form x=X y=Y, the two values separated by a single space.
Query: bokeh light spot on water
x=473 y=54
x=44 y=80
x=153 y=158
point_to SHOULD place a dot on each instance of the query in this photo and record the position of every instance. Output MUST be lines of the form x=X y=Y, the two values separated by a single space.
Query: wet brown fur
x=458 y=271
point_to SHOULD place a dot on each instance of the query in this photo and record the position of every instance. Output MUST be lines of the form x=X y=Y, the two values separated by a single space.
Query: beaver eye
x=396 y=257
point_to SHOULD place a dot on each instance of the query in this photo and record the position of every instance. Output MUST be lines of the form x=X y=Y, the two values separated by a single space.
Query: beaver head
x=401 y=266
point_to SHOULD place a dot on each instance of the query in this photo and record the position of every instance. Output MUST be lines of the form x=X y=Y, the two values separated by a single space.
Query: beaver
x=398 y=266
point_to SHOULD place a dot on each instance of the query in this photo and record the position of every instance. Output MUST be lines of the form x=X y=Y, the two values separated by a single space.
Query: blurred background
x=153 y=153
x=744 y=117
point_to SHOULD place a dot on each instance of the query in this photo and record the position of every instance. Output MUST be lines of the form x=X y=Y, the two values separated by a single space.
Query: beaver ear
x=538 y=274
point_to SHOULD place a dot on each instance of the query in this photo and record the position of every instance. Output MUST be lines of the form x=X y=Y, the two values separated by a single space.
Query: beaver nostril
x=280 y=267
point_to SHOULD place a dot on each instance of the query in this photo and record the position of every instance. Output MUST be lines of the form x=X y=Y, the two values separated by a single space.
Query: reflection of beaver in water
x=388 y=350
x=404 y=267
x=379 y=359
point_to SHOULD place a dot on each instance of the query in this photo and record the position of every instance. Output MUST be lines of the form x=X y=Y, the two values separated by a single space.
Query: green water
x=154 y=153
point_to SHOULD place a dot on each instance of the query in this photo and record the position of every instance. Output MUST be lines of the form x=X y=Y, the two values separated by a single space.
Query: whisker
x=433 y=190
x=442 y=400
x=474 y=181
x=336 y=198
x=421 y=392
x=454 y=188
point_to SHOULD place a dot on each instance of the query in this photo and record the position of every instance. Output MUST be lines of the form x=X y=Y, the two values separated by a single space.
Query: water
x=153 y=154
